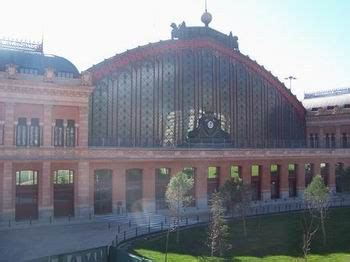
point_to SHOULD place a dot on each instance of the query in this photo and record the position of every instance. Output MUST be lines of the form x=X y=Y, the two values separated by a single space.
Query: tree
x=218 y=230
x=237 y=196
x=177 y=195
x=309 y=230
x=316 y=197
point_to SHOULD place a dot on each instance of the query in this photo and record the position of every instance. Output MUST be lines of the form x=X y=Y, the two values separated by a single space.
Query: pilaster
x=83 y=127
x=284 y=181
x=246 y=173
x=225 y=173
x=83 y=205
x=149 y=204
x=9 y=124
x=47 y=125
x=8 y=191
x=338 y=137
x=331 y=176
x=119 y=193
x=322 y=138
x=45 y=191
x=317 y=168
x=265 y=181
x=300 y=179
x=201 y=186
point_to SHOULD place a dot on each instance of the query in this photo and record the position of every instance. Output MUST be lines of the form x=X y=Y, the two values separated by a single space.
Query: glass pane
x=63 y=177
x=255 y=170
x=212 y=172
x=291 y=167
x=26 y=177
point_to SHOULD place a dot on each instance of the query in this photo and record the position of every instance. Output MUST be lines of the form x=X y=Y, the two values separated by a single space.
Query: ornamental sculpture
x=11 y=70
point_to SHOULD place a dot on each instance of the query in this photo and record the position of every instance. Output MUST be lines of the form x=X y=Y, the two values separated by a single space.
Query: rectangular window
x=274 y=170
x=344 y=140
x=161 y=183
x=212 y=172
x=291 y=169
x=21 y=132
x=324 y=172
x=255 y=170
x=316 y=143
x=311 y=137
x=34 y=132
x=58 y=133
x=26 y=178
x=236 y=172
x=63 y=177
x=333 y=140
x=70 y=133
x=327 y=140
x=309 y=173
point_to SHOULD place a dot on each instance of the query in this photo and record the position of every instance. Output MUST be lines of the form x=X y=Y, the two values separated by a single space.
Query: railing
x=99 y=254
x=258 y=208
x=131 y=229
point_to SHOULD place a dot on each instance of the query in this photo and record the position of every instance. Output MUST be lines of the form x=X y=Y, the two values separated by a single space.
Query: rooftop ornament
x=15 y=44
x=206 y=16
x=182 y=31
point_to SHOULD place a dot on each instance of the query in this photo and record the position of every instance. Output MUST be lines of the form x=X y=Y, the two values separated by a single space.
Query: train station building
x=107 y=140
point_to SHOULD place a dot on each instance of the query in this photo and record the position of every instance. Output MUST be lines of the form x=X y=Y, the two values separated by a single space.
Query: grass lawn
x=270 y=238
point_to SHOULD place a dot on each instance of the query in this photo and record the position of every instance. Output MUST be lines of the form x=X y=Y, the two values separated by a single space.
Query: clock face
x=210 y=124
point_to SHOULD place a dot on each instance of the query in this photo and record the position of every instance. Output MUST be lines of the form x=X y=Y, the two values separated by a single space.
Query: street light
x=290 y=78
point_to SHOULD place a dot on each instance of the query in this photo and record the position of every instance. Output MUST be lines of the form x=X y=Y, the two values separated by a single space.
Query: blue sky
x=307 y=39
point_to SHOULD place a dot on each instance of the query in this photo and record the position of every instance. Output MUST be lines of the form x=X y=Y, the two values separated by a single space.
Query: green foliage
x=237 y=196
x=218 y=230
x=316 y=192
x=177 y=193
x=255 y=170
x=235 y=172
x=278 y=238
x=212 y=172
x=235 y=192
x=316 y=197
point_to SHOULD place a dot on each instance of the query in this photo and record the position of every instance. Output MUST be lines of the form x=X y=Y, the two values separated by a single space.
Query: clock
x=210 y=124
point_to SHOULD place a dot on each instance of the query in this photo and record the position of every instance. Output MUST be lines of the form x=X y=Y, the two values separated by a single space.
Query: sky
x=309 y=40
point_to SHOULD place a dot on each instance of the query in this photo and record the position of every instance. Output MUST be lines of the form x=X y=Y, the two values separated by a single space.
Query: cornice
x=47 y=94
x=141 y=154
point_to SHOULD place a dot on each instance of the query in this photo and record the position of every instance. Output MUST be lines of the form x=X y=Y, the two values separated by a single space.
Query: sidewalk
x=29 y=243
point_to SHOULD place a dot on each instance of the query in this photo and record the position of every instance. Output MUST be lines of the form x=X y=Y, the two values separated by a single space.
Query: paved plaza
x=22 y=244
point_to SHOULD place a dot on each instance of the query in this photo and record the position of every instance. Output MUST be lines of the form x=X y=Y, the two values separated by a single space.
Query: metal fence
x=99 y=254
x=258 y=208
x=132 y=229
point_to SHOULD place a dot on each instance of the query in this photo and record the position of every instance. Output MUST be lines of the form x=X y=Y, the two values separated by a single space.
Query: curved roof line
x=36 y=60
x=108 y=66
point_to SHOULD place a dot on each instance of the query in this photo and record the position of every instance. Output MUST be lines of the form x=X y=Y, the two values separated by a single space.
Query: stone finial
x=49 y=74
x=11 y=70
x=86 y=78
x=206 y=18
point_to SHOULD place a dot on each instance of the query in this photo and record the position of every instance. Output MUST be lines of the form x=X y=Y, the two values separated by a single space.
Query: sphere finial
x=206 y=16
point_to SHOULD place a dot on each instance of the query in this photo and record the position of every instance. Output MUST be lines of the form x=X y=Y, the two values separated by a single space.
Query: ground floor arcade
x=44 y=189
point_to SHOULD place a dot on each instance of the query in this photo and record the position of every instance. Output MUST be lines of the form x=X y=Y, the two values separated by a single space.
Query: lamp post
x=290 y=78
